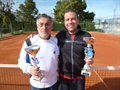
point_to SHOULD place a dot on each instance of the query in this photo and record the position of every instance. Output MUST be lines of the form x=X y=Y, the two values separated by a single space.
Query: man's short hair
x=45 y=16
x=71 y=10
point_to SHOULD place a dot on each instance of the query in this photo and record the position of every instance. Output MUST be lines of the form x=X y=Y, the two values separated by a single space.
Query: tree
x=78 y=5
x=7 y=17
x=27 y=11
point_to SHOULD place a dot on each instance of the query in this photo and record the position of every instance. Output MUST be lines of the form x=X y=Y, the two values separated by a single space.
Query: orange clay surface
x=107 y=53
x=107 y=49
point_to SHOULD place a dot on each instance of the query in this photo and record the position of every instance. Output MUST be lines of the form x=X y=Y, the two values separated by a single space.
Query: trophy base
x=38 y=78
x=85 y=73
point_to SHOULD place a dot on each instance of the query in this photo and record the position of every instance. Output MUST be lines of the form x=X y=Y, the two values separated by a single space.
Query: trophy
x=88 y=54
x=32 y=50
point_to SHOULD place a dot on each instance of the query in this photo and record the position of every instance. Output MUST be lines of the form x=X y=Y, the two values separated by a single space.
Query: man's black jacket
x=72 y=52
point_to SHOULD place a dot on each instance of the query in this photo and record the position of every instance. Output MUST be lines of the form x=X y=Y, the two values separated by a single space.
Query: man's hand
x=89 y=60
x=35 y=71
x=31 y=36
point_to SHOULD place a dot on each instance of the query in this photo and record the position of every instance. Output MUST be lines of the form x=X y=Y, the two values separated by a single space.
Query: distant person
x=72 y=54
x=47 y=56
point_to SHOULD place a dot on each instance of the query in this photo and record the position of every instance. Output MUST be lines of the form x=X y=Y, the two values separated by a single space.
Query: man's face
x=71 y=22
x=44 y=27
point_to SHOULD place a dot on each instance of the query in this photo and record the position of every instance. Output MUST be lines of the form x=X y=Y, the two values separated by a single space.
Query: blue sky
x=102 y=8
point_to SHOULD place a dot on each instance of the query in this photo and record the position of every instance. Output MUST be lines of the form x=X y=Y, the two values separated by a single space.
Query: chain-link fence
x=25 y=26
x=108 y=25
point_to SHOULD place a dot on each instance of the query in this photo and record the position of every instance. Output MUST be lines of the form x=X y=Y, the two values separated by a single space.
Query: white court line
x=92 y=67
x=105 y=67
x=9 y=66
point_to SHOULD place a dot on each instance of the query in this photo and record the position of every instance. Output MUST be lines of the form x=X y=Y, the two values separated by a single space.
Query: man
x=47 y=56
x=72 y=53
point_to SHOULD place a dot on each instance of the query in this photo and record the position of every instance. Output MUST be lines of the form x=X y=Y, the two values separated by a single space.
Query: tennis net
x=102 y=78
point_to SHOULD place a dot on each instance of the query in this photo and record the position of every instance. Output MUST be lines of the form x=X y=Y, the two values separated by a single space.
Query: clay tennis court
x=107 y=53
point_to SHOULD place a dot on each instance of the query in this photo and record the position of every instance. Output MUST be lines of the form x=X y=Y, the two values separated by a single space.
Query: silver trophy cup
x=32 y=50
x=88 y=54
